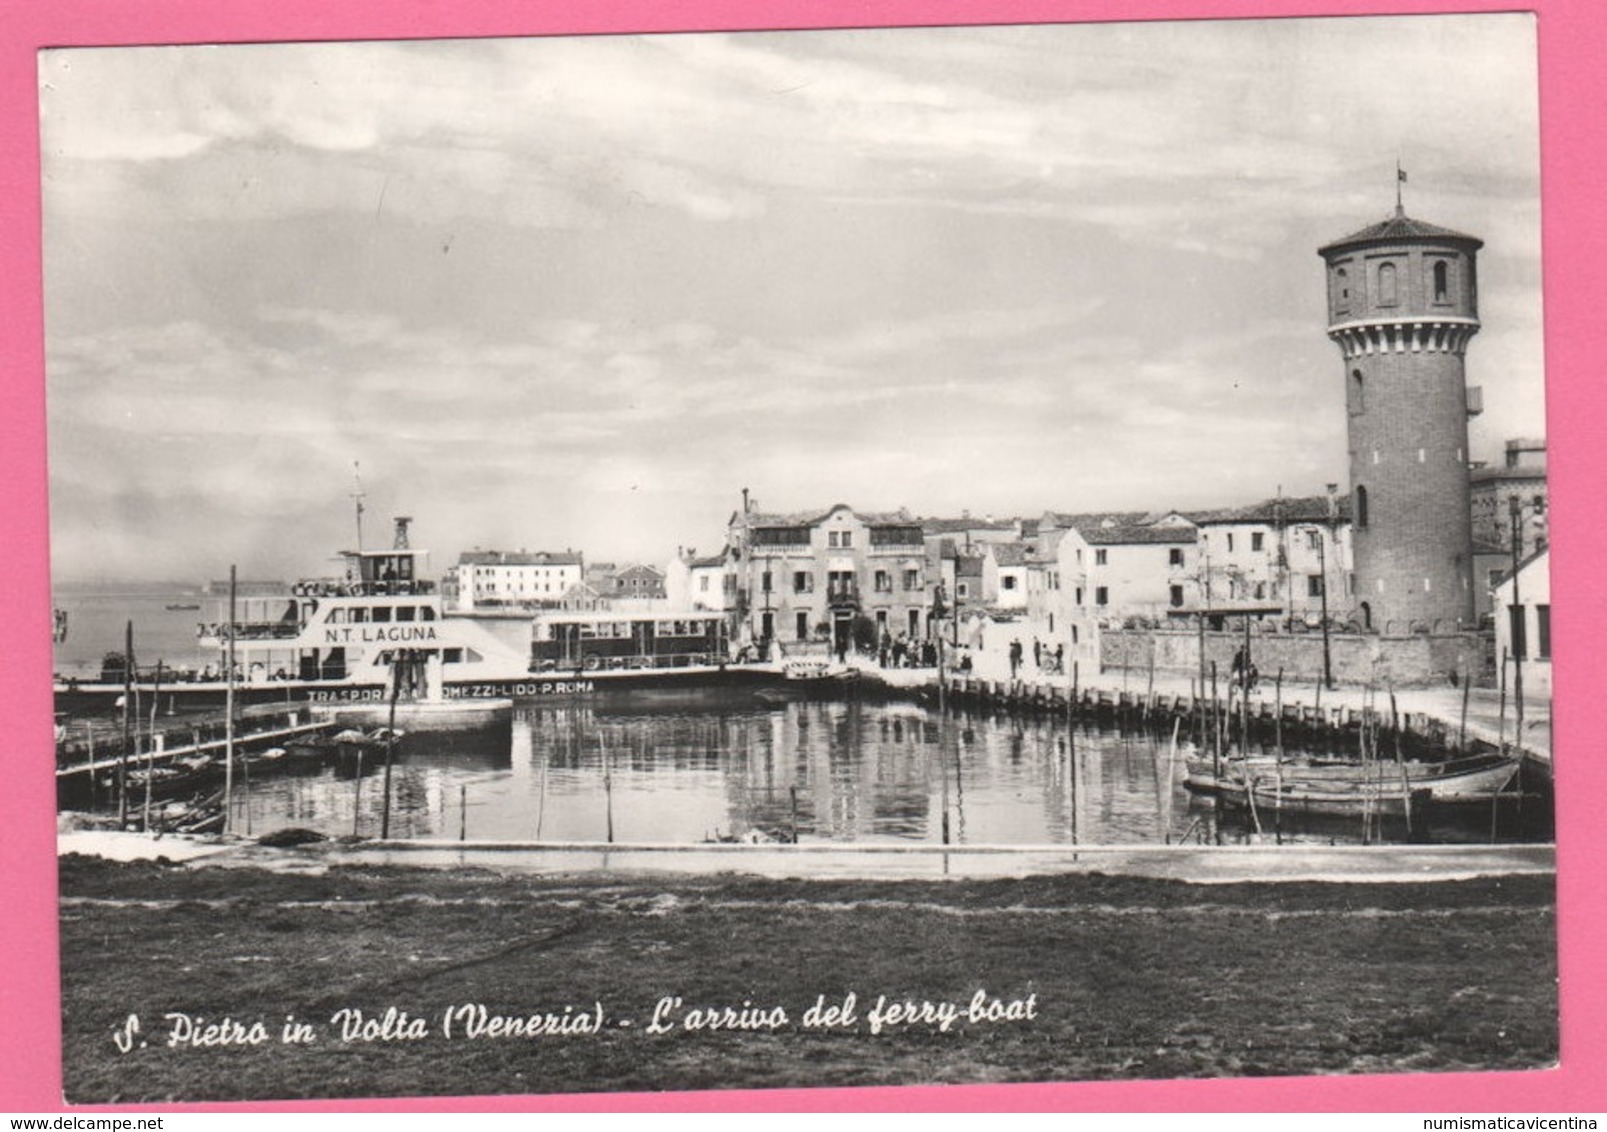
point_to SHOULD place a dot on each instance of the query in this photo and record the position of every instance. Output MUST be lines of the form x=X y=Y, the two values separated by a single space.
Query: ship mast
x=357 y=500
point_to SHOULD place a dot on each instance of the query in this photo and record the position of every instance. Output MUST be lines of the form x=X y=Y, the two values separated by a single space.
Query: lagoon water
x=97 y=620
x=838 y=772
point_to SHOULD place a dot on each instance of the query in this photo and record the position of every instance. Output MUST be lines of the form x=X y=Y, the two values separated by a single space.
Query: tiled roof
x=1086 y=519
x=1010 y=553
x=956 y=526
x=1297 y=509
x=899 y=518
x=517 y=558
x=1117 y=536
x=1400 y=227
x=707 y=563
x=1496 y=475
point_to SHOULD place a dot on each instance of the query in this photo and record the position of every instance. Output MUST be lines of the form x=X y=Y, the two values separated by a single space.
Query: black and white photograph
x=965 y=555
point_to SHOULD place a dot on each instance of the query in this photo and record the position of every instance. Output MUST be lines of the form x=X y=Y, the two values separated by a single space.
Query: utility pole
x=1322 y=564
x=1518 y=621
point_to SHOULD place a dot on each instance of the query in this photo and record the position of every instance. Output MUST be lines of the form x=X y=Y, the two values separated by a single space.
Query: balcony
x=842 y=595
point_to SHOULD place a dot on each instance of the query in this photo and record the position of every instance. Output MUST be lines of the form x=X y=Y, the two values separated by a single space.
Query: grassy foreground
x=1095 y=978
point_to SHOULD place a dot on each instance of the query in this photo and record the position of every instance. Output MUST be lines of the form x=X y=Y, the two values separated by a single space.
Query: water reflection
x=823 y=772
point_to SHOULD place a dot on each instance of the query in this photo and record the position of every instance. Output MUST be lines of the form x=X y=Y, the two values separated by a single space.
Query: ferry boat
x=379 y=632
x=379 y=627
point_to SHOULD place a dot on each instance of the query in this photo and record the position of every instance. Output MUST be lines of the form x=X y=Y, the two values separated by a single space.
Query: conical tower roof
x=1397 y=229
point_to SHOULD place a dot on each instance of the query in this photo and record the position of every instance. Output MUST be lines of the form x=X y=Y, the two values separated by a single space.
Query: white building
x=700 y=584
x=1523 y=630
x=493 y=579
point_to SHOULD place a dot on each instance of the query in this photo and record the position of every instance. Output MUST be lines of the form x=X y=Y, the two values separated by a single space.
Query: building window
x=912 y=579
x=1177 y=596
x=1387 y=291
x=1102 y=595
x=1079 y=595
x=915 y=622
x=881 y=621
x=764 y=582
x=1341 y=290
x=1520 y=643
x=1313 y=585
x=1313 y=540
x=703 y=584
x=962 y=589
x=1230 y=542
x=1257 y=540
x=1442 y=282
x=1261 y=591
x=1361 y=508
x=802 y=582
x=1099 y=557
x=1542 y=644
x=1175 y=558
x=801 y=626
x=1008 y=582
x=840 y=540
x=884 y=582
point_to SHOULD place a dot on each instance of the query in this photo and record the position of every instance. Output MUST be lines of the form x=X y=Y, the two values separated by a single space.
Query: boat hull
x=83 y=698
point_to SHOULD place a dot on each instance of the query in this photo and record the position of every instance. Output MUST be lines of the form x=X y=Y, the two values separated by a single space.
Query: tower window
x=1387 y=291
x=1361 y=507
x=1341 y=289
x=1358 y=393
x=1442 y=282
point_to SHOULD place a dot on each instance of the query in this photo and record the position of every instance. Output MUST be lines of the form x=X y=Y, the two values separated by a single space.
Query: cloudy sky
x=579 y=292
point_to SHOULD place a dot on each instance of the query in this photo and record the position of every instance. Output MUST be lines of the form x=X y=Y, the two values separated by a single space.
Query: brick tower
x=1402 y=307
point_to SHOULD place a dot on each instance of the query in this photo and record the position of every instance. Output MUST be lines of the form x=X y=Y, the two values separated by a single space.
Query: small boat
x=1342 y=788
x=182 y=607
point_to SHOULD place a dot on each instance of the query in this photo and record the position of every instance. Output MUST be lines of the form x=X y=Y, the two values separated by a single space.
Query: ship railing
x=251 y=631
x=377 y=588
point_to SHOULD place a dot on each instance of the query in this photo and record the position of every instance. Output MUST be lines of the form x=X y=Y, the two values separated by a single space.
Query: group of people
x=904 y=651
x=1042 y=659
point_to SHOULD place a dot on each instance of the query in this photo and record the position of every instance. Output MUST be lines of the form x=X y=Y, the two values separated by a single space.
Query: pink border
x=1572 y=36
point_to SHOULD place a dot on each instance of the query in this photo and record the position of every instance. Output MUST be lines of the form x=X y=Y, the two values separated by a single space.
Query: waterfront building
x=1004 y=575
x=1279 y=551
x=1402 y=308
x=700 y=584
x=828 y=575
x=1521 y=476
x=1523 y=626
x=493 y=579
x=582 y=598
x=640 y=582
x=1116 y=572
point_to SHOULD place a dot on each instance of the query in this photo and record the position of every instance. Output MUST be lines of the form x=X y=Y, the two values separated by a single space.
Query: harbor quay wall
x=1415 y=661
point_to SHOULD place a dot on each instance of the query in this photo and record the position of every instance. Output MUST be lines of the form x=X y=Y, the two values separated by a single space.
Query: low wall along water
x=1419 y=660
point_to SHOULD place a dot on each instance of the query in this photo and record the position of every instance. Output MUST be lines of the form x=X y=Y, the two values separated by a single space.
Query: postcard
x=589 y=561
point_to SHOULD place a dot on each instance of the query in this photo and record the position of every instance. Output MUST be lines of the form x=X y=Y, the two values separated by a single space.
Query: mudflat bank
x=393 y=981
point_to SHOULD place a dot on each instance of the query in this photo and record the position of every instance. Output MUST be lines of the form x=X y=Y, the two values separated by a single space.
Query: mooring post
x=357 y=793
x=1462 y=731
